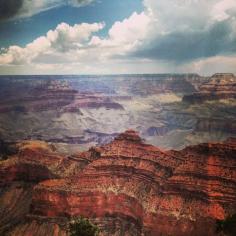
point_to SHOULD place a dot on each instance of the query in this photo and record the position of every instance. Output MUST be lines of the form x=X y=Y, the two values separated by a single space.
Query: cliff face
x=52 y=95
x=165 y=84
x=214 y=124
x=127 y=187
x=219 y=86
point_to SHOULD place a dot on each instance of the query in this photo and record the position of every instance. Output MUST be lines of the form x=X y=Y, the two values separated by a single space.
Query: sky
x=117 y=37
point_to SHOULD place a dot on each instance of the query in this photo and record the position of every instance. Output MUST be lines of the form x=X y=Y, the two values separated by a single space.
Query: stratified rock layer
x=127 y=187
x=219 y=86
x=52 y=95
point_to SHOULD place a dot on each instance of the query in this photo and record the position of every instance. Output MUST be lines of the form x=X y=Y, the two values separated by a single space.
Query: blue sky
x=122 y=36
x=24 y=30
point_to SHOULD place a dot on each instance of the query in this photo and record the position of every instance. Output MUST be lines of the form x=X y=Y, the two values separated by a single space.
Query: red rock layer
x=130 y=188
x=219 y=86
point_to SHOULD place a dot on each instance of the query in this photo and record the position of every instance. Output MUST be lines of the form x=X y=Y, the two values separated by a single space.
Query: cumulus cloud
x=79 y=3
x=64 y=39
x=78 y=43
x=177 y=31
x=182 y=46
x=174 y=35
x=12 y=9
x=123 y=37
x=223 y=10
x=188 y=30
x=211 y=65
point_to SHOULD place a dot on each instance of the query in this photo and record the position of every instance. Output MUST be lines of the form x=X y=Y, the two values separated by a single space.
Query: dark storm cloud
x=9 y=8
x=27 y=8
x=189 y=45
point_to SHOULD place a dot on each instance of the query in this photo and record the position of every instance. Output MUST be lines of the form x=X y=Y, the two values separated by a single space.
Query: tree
x=227 y=226
x=82 y=227
x=6 y=150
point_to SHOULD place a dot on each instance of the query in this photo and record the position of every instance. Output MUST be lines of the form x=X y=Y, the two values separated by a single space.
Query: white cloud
x=161 y=33
x=79 y=3
x=221 y=10
x=211 y=65
x=30 y=7
x=64 y=39
x=123 y=37
x=67 y=43
x=131 y=29
x=176 y=15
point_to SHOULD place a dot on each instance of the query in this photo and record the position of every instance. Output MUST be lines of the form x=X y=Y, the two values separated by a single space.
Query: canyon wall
x=126 y=187
x=219 y=86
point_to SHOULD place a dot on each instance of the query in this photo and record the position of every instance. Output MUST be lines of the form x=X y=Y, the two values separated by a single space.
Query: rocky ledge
x=127 y=187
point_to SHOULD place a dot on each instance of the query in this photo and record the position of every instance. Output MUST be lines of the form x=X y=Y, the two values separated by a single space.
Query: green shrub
x=227 y=226
x=82 y=227
x=6 y=150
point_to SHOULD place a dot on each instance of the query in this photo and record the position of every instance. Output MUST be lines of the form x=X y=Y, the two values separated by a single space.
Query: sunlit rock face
x=127 y=187
x=219 y=86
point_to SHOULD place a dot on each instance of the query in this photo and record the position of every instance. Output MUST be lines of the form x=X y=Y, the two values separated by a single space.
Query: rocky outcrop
x=219 y=86
x=127 y=187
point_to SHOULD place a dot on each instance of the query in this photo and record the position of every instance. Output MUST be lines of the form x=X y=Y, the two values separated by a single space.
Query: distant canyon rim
x=171 y=111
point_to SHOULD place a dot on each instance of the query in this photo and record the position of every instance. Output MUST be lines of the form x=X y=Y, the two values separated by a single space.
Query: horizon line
x=122 y=74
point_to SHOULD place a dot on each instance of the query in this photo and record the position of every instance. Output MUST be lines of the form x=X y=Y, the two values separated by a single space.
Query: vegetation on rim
x=82 y=227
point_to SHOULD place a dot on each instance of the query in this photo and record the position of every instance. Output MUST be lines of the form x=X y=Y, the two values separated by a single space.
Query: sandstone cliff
x=127 y=187
x=219 y=86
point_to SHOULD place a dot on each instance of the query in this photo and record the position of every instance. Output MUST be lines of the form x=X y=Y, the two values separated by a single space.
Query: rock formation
x=219 y=86
x=214 y=124
x=61 y=109
x=50 y=95
x=164 y=84
x=127 y=187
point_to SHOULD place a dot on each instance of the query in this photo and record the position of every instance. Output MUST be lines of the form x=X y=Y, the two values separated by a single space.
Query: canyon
x=219 y=86
x=76 y=112
x=139 y=155
x=126 y=187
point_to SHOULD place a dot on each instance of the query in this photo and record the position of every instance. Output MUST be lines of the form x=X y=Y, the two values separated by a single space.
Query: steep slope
x=127 y=187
